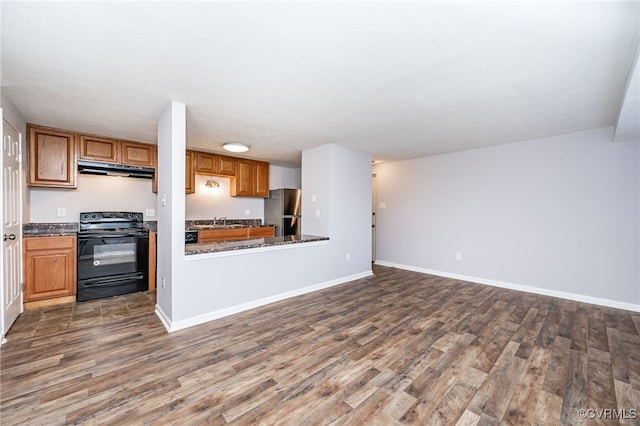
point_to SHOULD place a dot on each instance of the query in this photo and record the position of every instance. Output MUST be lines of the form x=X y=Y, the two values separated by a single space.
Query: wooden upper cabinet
x=261 y=179
x=241 y=184
x=137 y=154
x=251 y=179
x=207 y=164
x=214 y=164
x=154 y=182
x=52 y=157
x=226 y=165
x=189 y=171
x=99 y=149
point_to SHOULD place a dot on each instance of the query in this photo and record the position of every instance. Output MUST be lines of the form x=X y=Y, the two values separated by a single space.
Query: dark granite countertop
x=252 y=243
x=49 y=229
x=195 y=225
x=71 y=228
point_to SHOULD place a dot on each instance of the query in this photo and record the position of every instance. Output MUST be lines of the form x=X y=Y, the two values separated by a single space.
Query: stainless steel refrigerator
x=282 y=210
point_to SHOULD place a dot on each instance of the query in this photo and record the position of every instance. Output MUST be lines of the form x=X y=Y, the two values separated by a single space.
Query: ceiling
x=397 y=79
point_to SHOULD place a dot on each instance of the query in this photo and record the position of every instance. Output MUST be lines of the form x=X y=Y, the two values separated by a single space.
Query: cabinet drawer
x=49 y=243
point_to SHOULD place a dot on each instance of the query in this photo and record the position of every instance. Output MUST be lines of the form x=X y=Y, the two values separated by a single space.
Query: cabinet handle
x=9 y=237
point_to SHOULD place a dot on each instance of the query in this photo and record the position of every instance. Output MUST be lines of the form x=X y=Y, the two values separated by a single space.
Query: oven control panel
x=111 y=217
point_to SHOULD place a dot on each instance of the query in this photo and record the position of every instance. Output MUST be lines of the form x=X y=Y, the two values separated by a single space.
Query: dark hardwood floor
x=396 y=348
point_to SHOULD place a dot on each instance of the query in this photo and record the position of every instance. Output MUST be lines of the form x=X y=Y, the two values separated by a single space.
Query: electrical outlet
x=247 y=212
x=163 y=282
x=458 y=256
x=150 y=213
x=314 y=198
x=62 y=212
x=348 y=256
x=318 y=213
x=383 y=205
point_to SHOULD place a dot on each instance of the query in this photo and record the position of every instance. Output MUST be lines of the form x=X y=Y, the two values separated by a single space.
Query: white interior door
x=11 y=226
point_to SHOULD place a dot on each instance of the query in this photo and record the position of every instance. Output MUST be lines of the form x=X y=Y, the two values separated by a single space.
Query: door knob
x=9 y=237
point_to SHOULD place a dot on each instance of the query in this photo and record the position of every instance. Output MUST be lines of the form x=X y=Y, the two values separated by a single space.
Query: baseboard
x=164 y=319
x=542 y=291
x=210 y=316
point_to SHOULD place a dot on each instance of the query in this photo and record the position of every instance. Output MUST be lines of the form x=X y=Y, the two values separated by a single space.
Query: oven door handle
x=98 y=282
x=105 y=236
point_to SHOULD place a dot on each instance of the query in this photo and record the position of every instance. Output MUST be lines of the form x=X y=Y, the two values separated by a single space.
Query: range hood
x=108 y=169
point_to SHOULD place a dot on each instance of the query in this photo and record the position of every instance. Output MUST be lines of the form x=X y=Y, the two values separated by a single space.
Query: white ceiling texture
x=397 y=79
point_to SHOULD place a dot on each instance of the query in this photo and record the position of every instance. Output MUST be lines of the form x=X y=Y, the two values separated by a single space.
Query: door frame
x=20 y=154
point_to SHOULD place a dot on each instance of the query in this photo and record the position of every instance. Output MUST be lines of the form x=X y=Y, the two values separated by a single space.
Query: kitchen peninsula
x=254 y=243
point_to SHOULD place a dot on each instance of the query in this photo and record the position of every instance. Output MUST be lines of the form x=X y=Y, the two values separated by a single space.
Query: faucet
x=224 y=220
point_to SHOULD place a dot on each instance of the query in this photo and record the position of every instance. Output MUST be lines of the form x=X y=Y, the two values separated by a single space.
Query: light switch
x=314 y=198
x=383 y=205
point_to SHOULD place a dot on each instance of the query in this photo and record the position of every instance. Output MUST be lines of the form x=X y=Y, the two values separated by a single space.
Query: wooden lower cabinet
x=152 y=260
x=49 y=267
x=217 y=235
x=262 y=232
x=234 y=234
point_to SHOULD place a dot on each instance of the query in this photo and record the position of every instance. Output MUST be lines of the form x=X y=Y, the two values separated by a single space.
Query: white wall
x=208 y=203
x=210 y=286
x=94 y=193
x=172 y=133
x=284 y=177
x=558 y=214
x=340 y=179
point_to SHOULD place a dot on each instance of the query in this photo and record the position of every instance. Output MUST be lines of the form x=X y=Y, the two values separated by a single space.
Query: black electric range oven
x=113 y=255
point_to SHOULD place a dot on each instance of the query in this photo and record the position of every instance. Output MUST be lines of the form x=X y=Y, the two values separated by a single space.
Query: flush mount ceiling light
x=235 y=147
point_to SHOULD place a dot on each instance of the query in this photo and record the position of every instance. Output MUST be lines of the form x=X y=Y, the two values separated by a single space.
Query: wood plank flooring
x=396 y=348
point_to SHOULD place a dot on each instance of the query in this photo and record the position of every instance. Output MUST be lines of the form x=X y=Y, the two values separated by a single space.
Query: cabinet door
x=227 y=165
x=262 y=232
x=242 y=183
x=137 y=154
x=98 y=149
x=152 y=260
x=206 y=163
x=189 y=171
x=216 y=235
x=261 y=179
x=52 y=158
x=49 y=267
x=154 y=182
